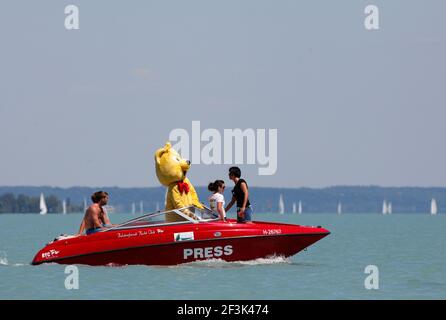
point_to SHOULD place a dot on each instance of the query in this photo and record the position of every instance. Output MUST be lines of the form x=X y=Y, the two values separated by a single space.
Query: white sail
x=64 y=207
x=133 y=208
x=157 y=206
x=281 y=205
x=384 y=207
x=339 y=208
x=141 y=207
x=42 y=205
x=389 y=208
x=300 y=207
x=108 y=209
x=294 y=207
x=434 y=207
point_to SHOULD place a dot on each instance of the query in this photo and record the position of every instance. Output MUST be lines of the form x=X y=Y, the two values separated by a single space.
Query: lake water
x=409 y=251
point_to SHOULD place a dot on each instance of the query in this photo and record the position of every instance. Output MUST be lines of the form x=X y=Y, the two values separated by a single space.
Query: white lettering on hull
x=207 y=252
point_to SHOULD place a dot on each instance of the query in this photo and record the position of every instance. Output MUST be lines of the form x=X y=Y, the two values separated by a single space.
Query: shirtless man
x=95 y=218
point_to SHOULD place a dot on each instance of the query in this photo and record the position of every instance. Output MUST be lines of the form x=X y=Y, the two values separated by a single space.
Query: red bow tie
x=183 y=187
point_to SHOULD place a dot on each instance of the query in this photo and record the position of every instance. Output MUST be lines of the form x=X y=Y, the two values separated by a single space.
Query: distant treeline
x=10 y=203
x=354 y=199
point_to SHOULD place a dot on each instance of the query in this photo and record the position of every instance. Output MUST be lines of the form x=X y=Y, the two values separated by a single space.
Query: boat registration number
x=269 y=232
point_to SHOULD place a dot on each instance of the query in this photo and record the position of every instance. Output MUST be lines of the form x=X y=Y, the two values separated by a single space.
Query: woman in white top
x=217 y=200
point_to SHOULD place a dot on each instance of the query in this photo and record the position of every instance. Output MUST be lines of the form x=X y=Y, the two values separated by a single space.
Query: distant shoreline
x=351 y=199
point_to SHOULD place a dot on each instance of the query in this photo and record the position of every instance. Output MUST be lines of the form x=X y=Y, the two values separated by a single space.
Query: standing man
x=96 y=218
x=240 y=194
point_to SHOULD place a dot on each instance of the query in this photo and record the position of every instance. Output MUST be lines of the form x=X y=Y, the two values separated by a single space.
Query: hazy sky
x=90 y=106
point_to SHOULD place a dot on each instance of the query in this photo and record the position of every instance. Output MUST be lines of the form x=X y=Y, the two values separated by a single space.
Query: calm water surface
x=409 y=251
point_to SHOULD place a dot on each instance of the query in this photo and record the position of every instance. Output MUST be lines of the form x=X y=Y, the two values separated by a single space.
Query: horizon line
x=251 y=186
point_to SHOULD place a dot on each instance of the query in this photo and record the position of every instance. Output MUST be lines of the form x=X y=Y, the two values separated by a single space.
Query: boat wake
x=270 y=260
x=220 y=263
x=4 y=261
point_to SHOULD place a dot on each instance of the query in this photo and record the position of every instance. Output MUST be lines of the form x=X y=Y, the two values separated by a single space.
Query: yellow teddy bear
x=171 y=171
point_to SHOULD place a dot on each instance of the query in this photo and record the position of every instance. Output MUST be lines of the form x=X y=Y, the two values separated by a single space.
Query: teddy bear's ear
x=158 y=155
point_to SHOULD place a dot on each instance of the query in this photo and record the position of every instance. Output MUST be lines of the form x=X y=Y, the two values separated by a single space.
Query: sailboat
x=339 y=207
x=433 y=206
x=42 y=205
x=64 y=207
x=157 y=206
x=384 y=207
x=389 y=208
x=281 y=205
x=141 y=207
x=133 y=208
x=300 y=208
x=294 y=207
x=85 y=204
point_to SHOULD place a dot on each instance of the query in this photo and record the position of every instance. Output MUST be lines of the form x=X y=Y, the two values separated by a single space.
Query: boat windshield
x=184 y=215
x=199 y=214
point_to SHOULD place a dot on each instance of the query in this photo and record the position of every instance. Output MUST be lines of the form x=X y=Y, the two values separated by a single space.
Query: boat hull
x=136 y=247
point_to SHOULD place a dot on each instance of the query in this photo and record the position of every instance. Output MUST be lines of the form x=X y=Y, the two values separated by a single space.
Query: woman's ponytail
x=213 y=186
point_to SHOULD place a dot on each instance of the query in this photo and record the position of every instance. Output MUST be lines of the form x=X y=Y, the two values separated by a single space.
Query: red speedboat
x=180 y=236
